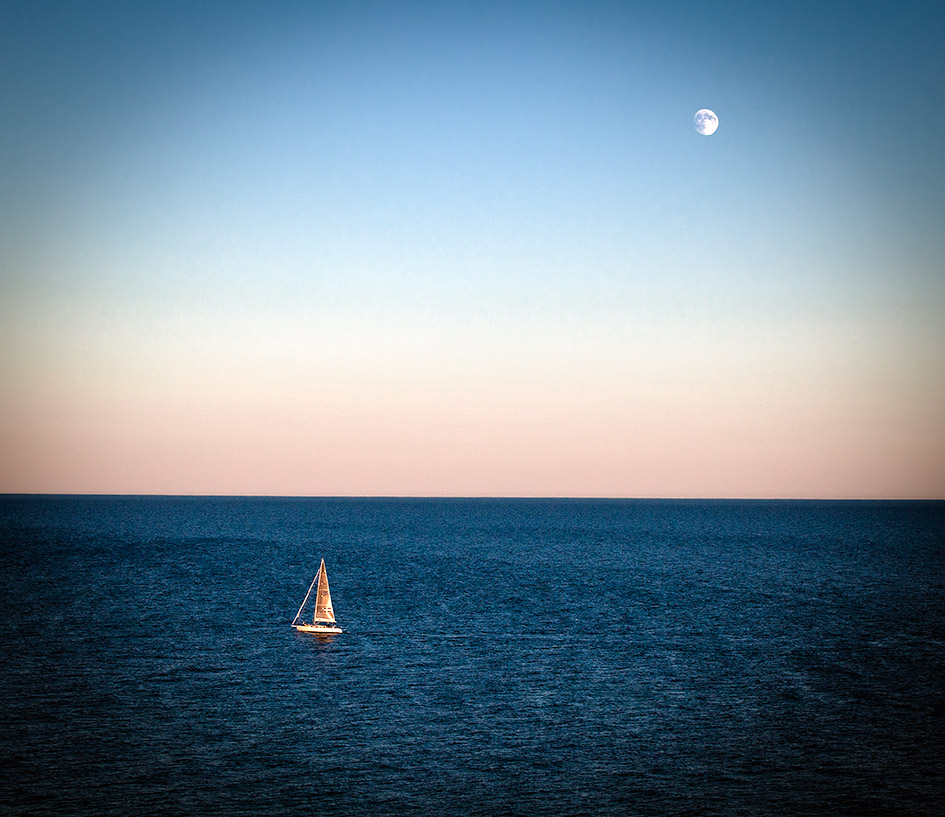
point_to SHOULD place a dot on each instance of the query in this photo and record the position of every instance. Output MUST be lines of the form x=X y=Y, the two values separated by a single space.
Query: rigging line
x=306 y=598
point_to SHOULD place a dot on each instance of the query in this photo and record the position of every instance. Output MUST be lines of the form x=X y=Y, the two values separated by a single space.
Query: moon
x=705 y=122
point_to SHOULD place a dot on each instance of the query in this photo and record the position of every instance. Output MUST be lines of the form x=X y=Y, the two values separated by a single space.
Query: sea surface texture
x=500 y=657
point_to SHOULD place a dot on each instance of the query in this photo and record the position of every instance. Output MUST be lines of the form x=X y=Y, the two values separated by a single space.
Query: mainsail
x=323 y=611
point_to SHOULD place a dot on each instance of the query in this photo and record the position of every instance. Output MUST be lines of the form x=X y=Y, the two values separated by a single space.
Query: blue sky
x=473 y=248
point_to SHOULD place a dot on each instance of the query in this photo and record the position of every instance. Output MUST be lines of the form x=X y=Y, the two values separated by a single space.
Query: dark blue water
x=501 y=657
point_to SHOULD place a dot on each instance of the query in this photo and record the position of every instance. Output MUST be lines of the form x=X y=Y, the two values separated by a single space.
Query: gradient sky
x=473 y=249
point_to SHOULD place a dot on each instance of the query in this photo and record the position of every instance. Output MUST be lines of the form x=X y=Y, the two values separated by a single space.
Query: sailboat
x=323 y=621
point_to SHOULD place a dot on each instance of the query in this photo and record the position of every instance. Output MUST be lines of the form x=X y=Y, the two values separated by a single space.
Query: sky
x=473 y=249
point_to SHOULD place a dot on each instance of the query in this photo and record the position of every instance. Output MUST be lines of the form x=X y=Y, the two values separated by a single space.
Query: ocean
x=500 y=657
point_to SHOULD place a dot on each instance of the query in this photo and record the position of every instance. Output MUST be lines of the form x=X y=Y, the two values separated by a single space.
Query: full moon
x=705 y=122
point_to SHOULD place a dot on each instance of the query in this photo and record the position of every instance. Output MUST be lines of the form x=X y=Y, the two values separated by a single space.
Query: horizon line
x=157 y=495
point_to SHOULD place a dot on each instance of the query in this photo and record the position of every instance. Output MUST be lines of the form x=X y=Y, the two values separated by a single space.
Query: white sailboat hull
x=324 y=629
